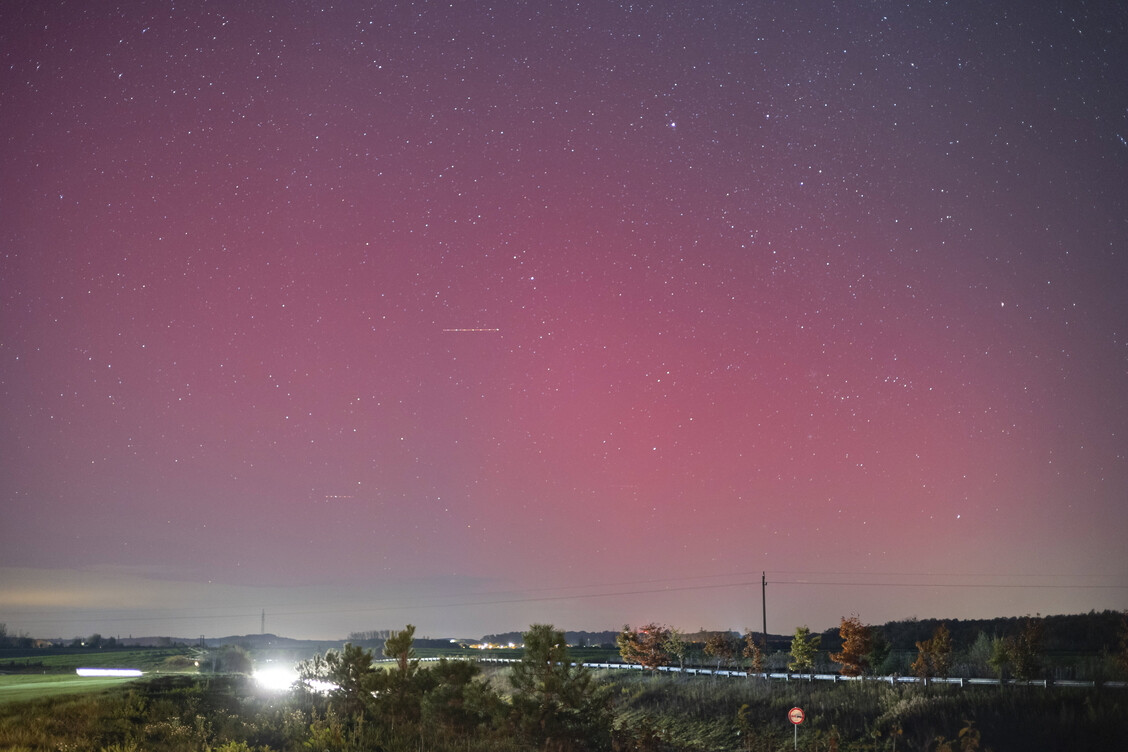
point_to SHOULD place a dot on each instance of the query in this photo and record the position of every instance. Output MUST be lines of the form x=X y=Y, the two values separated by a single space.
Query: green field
x=20 y=687
x=65 y=660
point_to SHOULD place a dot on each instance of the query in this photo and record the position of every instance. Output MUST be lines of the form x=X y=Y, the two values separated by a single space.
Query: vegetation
x=569 y=709
x=857 y=645
x=804 y=646
x=548 y=702
x=934 y=656
x=649 y=646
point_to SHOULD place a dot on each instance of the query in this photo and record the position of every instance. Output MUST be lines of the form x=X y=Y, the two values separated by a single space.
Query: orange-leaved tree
x=646 y=646
x=934 y=657
x=857 y=645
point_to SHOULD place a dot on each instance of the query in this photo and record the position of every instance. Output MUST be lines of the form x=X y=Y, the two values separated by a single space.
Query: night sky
x=476 y=315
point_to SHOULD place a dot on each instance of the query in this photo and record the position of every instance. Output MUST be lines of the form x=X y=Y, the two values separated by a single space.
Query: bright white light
x=130 y=672
x=276 y=678
x=321 y=687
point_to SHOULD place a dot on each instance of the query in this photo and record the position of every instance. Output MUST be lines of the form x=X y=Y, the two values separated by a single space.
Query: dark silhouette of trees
x=1021 y=653
x=880 y=651
x=458 y=705
x=228 y=659
x=1121 y=655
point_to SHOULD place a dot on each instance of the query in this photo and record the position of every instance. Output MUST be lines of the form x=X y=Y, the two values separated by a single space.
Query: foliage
x=351 y=675
x=645 y=646
x=934 y=656
x=676 y=646
x=461 y=711
x=720 y=645
x=228 y=659
x=881 y=658
x=967 y=741
x=557 y=704
x=1021 y=653
x=400 y=646
x=804 y=648
x=857 y=644
x=753 y=653
x=1121 y=656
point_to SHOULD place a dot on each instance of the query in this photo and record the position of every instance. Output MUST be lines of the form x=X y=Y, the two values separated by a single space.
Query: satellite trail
x=471 y=330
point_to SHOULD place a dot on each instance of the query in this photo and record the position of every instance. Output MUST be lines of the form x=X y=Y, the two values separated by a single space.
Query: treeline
x=578 y=638
x=1093 y=632
x=1013 y=649
x=21 y=640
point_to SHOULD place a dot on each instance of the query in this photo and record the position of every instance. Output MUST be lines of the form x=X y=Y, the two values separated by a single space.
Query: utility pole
x=764 y=604
x=262 y=626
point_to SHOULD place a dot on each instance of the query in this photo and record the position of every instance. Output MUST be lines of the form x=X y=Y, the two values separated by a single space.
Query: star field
x=428 y=302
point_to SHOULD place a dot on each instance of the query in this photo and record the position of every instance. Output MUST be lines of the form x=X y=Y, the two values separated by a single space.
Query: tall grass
x=653 y=713
x=705 y=713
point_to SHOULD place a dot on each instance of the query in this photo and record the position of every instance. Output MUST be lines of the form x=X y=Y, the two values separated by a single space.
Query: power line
x=584 y=596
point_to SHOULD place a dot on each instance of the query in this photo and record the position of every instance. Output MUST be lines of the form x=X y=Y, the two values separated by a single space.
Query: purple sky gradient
x=485 y=315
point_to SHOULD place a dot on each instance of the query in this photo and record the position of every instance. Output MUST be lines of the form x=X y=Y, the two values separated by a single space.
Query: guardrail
x=891 y=680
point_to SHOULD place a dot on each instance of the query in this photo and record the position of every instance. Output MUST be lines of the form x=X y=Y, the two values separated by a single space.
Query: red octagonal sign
x=795 y=715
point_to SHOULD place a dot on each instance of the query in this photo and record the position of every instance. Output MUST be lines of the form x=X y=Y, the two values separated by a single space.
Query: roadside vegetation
x=351 y=700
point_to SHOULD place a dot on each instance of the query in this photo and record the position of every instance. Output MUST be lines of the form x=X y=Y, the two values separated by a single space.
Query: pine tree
x=558 y=704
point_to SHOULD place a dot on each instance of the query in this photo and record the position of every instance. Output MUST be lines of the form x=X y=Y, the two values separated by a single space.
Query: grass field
x=65 y=661
x=20 y=687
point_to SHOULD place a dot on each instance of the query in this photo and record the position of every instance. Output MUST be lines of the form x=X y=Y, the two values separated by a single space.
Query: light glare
x=276 y=678
x=129 y=672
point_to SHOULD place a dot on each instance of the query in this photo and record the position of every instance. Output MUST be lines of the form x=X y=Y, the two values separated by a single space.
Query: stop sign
x=795 y=715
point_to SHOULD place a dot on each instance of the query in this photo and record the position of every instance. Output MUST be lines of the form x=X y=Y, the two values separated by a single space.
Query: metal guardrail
x=891 y=680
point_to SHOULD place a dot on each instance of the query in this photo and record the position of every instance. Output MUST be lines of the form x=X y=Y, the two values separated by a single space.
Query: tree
x=404 y=688
x=804 y=648
x=354 y=678
x=720 y=645
x=1122 y=644
x=1020 y=653
x=880 y=653
x=645 y=646
x=459 y=704
x=677 y=647
x=934 y=656
x=557 y=704
x=229 y=659
x=1000 y=659
x=401 y=646
x=979 y=654
x=753 y=653
x=1025 y=650
x=348 y=677
x=857 y=644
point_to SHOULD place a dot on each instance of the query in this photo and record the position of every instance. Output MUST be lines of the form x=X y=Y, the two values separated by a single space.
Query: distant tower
x=262 y=625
